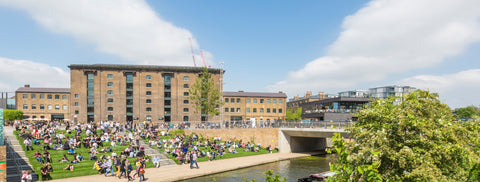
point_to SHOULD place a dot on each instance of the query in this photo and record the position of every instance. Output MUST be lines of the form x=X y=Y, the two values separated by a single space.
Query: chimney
x=27 y=85
x=240 y=91
x=308 y=94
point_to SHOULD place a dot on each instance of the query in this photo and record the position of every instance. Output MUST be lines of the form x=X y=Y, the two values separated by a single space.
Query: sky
x=264 y=46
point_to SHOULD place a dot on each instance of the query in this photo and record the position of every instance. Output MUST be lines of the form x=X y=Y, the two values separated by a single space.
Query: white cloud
x=16 y=73
x=129 y=29
x=457 y=89
x=389 y=37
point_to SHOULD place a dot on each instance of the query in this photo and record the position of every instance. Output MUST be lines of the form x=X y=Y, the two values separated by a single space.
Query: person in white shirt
x=156 y=161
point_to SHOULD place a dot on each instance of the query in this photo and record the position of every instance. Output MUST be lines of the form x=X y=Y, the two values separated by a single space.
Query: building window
x=232 y=109
x=274 y=101
x=149 y=77
x=76 y=103
x=185 y=118
x=76 y=96
x=185 y=86
x=254 y=110
x=238 y=100
x=149 y=93
x=261 y=110
x=34 y=96
x=49 y=96
x=42 y=96
x=64 y=97
x=64 y=107
x=279 y=110
x=274 y=110
x=254 y=101
x=57 y=97
x=109 y=76
x=110 y=117
x=186 y=78
x=248 y=110
x=149 y=101
x=110 y=100
x=226 y=109
x=49 y=107
x=42 y=107
x=232 y=100
x=25 y=106
x=110 y=92
x=57 y=107
x=109 y=108
x=268 y=101
x=110 y=84
x=25 y=96
x=149 y=109
x=268 y=110
x=185 y=94
x=149 y=85
x=185 y=101
x=226 y=100
x=185 y=109
x=280 y=101
x=238 y=110
x=248 y=101
x=76 y=112
x=34 y=106
x=261 y=101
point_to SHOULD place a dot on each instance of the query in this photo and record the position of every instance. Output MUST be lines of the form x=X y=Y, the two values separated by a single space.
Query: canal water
x=292 y=168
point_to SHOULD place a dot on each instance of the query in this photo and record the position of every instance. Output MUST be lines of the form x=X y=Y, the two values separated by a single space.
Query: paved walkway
x=182 y=172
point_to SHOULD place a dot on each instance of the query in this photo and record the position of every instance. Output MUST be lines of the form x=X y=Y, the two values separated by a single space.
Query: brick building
x=43 y=103
x=257 y=106
x=134 y=92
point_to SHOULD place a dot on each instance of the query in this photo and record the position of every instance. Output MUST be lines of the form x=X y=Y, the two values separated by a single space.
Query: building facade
x=254 y=106
x=135 y=92
x=43 y=103
x=388 y=91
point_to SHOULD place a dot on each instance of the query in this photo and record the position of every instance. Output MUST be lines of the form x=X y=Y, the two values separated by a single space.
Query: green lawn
x=82 y=168
x=241 y=152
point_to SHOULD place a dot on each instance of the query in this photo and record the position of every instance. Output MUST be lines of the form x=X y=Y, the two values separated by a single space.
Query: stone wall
x=265 y=136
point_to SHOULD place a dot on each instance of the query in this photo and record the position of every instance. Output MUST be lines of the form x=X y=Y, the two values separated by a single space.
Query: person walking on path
x=193 y=159
x=141 y=171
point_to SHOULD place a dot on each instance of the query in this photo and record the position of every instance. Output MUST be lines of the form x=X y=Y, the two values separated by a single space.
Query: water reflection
x=293 y=169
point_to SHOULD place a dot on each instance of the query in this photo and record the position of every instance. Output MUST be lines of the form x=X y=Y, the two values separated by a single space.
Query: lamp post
x=221 y=89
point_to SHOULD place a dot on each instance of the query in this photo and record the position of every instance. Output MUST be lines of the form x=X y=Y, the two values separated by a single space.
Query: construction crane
x=193 y=55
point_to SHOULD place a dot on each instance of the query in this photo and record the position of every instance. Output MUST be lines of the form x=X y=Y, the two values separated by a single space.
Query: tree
x=205 y=96
x=411 y=140
x=467 y=112
x=290 y=116
x=11 y=115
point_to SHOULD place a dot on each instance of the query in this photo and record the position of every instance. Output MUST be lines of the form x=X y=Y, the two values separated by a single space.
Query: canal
x=292 y=168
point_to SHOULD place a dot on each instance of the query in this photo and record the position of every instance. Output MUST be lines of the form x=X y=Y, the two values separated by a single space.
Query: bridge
x=306 y=139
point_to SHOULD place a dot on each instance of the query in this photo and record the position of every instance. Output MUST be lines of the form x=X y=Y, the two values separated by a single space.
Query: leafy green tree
x=291 y=116
x=205 y=95
x=467 y=112
x=11 y=115
x=411 y=140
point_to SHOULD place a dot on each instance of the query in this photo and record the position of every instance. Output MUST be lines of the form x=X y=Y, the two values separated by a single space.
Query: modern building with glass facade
x=102 y=92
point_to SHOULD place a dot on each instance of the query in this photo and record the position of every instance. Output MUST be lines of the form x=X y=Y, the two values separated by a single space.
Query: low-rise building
x=43 y=103
x=254 y=106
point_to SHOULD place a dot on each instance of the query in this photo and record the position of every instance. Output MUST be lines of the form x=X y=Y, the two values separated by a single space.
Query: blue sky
x=267 y=46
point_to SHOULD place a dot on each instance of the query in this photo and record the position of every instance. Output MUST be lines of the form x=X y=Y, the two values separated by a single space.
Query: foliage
x=467 y=112
x=11 y=115
x=204 y=94
x=269 y=177
x=294 y=116
x=411 y=140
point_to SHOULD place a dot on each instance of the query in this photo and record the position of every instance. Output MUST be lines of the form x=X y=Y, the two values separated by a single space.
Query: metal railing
x=248 y=124
x=13 y=154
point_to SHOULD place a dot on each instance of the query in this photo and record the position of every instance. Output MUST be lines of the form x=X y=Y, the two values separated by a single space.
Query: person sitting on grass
x=97 y=165
x=109 y=149
x=45 y=173
x=46 y=156
x=38 y=156
x=103 y=150
x=80 y=157
x=75 y=160
x=93 y=156
x=69 y=167
x=64 y=159
x=71 y=151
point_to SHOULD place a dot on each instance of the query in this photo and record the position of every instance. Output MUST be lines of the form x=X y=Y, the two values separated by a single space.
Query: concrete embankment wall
x=265 y=136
